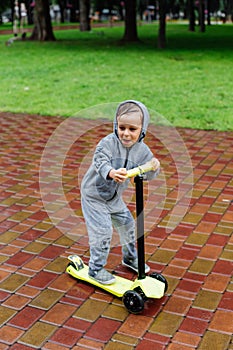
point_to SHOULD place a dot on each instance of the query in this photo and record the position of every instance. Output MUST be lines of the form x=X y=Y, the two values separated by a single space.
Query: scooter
x=134 y=293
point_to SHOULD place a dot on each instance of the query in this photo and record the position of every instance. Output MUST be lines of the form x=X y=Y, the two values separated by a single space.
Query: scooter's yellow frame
x=151 y=287
x=135 y=292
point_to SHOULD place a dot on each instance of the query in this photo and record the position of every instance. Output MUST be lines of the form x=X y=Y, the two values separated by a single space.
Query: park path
x=43 y=307
x=65 y=27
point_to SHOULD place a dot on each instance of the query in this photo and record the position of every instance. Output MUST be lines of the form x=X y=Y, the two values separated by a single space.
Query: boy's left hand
x=155 y=163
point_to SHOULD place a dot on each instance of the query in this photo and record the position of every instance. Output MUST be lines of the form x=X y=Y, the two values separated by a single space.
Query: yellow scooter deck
x=151 y=287
x=118 y=288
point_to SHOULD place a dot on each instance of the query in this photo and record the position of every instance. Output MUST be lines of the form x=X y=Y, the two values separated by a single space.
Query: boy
x=104 y=183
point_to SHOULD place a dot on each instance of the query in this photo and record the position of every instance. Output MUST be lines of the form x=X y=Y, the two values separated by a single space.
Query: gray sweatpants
x=100 y=219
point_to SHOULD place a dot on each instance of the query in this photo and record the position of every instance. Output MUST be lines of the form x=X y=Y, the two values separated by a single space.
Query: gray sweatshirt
x=109 y=154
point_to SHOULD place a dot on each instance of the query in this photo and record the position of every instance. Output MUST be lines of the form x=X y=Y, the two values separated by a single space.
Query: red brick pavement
x=44 y=307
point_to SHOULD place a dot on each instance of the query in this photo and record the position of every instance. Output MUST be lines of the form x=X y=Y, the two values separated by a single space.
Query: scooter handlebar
x=142 y=169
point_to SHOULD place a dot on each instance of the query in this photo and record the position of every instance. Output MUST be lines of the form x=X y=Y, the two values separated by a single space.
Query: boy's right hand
x=119 y=175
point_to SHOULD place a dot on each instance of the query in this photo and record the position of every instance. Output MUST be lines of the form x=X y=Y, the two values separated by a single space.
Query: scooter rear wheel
x=133 y=301
x=160 y=278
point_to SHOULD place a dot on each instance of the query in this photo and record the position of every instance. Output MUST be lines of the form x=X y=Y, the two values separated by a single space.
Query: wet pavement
x=188 y=223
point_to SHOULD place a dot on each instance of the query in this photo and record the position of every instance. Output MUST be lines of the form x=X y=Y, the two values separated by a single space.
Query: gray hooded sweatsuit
x=102 y=203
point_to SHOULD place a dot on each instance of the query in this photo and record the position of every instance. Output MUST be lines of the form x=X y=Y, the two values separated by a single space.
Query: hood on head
x=145 y=117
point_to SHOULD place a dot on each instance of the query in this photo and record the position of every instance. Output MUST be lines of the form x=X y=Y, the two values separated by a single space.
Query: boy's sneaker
x=133 y=264
x=102 y=276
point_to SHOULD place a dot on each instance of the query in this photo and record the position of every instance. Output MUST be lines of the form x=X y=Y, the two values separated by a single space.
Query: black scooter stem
x=140 y=226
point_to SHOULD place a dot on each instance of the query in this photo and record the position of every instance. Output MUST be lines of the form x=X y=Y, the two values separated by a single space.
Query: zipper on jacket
x=126 y=159
x=125 y=164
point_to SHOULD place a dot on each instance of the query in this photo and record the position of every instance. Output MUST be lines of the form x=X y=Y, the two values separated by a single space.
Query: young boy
x=104 y=183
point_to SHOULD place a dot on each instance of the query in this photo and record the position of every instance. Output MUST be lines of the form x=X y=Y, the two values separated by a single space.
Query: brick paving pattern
x=45 y=308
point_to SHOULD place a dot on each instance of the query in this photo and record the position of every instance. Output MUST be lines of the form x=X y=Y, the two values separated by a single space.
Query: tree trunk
x=29 y=11
x=162 y=24
x=208 y=12
x=84 y=8
x=73 y=8
x=42 y=30
x=202 y=15
x=62 y=4
x=130 y=34
x=12 y=10
x=191 y=14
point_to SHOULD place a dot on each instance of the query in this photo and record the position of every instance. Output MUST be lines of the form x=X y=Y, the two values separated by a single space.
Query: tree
x=62 y=5
x=130 y=33
x=84 y=18
x=162 y=24
x=191 y=15
x=202 y=15
x=208 y=6
x=42 y=22
x=29 y=11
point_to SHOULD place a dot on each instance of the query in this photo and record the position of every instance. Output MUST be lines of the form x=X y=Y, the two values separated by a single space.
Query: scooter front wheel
x=133 y=301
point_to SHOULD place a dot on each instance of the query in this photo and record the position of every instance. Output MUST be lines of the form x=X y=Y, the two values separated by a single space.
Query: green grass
x=190 y=83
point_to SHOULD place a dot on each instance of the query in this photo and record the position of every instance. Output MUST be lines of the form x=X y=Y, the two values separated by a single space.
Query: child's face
x=129 y=128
